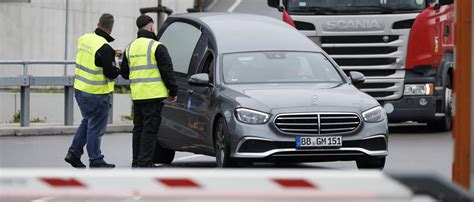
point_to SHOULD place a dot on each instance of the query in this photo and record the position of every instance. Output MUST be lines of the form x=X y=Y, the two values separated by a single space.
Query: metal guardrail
x=26 y=81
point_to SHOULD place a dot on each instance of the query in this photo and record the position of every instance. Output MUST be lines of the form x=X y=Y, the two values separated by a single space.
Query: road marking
x=36 y=142
x=133 y=198
x=48 y=198
x=189 y=157
x=210 y=6
x=234 y=6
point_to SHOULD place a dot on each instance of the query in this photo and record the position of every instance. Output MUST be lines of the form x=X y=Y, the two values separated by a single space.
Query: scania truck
x=403 y=47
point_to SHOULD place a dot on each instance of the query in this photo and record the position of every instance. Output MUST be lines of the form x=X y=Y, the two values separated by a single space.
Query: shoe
x=74 y=160
x=134 y=165
x=101 y=165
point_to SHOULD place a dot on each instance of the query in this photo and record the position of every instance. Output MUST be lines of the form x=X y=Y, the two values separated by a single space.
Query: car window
x=180 y=39
x=275 y=67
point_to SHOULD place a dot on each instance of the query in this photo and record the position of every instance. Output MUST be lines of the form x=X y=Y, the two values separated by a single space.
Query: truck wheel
x=221 y=145
x=163 y=155
x=445 y=124
x=371 y=163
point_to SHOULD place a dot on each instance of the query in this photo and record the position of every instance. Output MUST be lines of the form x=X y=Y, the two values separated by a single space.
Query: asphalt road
x=411 y=149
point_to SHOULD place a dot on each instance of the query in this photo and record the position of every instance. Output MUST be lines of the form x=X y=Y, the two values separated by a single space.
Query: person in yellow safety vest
x=93 y=83
x=147 y=64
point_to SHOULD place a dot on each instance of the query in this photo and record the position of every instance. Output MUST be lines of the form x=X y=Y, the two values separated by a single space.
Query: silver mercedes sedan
x=254 y=89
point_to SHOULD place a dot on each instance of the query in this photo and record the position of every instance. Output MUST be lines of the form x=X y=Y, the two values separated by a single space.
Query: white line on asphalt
x=234 y=6
x=213 y=3
x=133 y=198
x=47 y=198
x=36 y=142
x=189 y=157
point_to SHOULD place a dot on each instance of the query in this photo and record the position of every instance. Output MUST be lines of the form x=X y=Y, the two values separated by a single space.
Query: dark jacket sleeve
x=105 y=58
x=124 y=68
x=165 y=66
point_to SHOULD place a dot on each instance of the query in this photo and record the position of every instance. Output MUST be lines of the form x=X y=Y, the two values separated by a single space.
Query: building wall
x=36 y=30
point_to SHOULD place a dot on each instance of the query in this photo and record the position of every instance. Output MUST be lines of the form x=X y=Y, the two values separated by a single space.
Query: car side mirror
x=273 y=3
x=201 y=79
x=357 y=77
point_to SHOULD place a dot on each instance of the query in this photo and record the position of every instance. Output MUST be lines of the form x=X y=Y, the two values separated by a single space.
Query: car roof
x=235 y=32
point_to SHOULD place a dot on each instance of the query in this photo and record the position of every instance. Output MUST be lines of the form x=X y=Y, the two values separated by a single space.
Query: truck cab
x=403 y=47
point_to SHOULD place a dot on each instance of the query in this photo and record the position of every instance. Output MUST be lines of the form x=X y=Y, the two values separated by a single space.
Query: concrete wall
x=50 y=106
x=36 y=30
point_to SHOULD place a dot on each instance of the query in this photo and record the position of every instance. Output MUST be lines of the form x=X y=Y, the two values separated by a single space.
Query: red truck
x=403 y=47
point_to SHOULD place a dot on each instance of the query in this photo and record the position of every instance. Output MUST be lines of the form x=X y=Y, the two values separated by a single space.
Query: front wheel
x=221 y=145
x=371 y=163
x=445 y=124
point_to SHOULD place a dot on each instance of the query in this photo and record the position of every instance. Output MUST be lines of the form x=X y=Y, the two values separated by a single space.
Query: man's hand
x=173 y=99
x=118 y=53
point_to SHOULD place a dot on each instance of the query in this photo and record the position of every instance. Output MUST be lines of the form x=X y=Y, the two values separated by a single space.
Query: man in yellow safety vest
x=147 y=64
x=93 y=83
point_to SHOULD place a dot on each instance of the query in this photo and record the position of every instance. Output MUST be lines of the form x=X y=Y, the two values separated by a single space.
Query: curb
x=58 y=130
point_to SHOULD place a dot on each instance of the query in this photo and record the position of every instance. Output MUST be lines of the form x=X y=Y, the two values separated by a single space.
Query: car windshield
x=328 y=7
x=278 y=67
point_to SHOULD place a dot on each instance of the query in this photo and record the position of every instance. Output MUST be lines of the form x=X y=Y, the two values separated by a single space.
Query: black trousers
x=146 y=121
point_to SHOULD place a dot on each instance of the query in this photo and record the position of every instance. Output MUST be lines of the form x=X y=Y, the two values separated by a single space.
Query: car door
x=181 y=39
x=199 y=105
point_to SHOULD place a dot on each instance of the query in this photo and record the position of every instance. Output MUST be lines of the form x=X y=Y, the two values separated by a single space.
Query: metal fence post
x=25 y=106
x=25 y=68
x=111 y=110
x=68 y=105
x=25 y=100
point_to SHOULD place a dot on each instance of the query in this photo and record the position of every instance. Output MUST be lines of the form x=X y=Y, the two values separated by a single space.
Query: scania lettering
x=352 y=24
x=403 y=47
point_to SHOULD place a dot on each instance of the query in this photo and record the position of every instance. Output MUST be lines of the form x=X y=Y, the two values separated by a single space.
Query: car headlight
x=419 y=89
x=250 y=116
x=375 y=114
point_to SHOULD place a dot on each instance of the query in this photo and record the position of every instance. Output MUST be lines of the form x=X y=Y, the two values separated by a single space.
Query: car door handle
x=190 y=92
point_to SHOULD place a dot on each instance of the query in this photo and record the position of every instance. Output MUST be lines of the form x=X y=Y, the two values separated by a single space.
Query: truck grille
x=379 y=57
x=365 y=61
x=360 y=50
x=359 y=39
x=317 y=123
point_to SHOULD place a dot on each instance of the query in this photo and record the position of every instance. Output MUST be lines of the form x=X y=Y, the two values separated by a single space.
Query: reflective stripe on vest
x=145 y=77
x=90 y=78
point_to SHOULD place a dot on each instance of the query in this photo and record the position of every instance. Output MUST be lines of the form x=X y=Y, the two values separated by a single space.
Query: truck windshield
x=278 y=67
x=334 y=7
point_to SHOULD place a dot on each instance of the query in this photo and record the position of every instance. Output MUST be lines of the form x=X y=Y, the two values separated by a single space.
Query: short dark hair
x=106 y=21
x=143 y=20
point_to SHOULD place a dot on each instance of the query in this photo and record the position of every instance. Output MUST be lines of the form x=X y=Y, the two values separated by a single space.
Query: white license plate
x=329 y=141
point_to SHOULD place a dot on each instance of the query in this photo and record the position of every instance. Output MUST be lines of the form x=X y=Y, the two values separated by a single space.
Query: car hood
x=301 y=97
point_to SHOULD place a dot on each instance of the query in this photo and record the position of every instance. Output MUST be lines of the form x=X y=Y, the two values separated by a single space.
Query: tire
x=163 y=155
x=371 y=163
x=222 y=146
x=445 y=124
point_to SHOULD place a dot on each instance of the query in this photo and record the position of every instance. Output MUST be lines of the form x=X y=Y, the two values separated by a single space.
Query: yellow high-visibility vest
x=145 y=77
x=90 y=78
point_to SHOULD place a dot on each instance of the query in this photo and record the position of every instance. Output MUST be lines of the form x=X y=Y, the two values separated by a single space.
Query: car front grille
x=317 y=123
